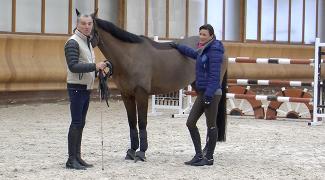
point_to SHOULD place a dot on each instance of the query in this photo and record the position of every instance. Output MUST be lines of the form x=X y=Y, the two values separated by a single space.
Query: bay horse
x=143 y=67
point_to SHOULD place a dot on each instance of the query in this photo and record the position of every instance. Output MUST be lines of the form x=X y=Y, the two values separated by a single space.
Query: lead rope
x=102 y=86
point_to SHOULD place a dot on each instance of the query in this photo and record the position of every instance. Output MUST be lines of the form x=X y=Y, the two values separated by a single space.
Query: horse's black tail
x=222 y=111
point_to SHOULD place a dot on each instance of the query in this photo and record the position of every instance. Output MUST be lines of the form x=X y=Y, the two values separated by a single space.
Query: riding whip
x=103 y=95
x=101 y=125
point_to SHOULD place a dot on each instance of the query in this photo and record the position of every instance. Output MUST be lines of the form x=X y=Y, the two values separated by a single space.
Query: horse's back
x=191 y=41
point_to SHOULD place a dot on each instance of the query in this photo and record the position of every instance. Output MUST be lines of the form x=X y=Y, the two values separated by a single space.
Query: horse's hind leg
x=129 y=102
x=141 y=98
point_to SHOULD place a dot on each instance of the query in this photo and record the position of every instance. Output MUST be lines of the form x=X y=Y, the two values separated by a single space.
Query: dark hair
x=207 y=27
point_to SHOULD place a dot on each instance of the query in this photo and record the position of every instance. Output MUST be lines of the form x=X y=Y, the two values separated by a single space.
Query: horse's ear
x=77 y=12
x=95 y=13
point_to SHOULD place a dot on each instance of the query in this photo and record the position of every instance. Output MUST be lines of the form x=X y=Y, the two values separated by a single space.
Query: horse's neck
x=114 y=49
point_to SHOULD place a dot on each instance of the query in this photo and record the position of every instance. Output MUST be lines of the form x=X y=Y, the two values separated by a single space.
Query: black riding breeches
x=79 y=102
x=199 y=108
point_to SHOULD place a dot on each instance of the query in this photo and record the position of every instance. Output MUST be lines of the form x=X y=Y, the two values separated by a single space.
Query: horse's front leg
x=141 y=98
x=129 y=102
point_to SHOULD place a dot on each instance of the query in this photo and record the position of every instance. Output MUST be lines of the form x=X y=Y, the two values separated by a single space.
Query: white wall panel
x=232 y=29
x=136 y=16
x=196 y=16
x=177 y=17
x=310 y=22
x=28 y=16
x=56 y=22
x=267 y=25
x=157 y=18
x=215 y=8
x=108 y=10
x=5 y=15
x=251 y=19
x=282 y=19
x=296 y=20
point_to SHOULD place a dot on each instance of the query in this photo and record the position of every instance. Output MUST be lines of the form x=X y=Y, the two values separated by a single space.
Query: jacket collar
x=208 y=44
x=82 y=36
x=85 y=38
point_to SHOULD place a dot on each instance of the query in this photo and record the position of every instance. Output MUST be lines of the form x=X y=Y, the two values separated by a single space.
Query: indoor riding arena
x=275 y=106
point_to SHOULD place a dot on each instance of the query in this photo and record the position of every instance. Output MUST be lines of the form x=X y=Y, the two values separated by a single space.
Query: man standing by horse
x=81 y=64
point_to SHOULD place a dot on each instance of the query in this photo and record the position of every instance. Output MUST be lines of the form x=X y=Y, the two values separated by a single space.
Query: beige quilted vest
x=86 y=55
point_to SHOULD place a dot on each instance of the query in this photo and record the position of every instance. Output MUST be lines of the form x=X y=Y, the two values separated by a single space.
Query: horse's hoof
x=130 y=154
x=140 y=155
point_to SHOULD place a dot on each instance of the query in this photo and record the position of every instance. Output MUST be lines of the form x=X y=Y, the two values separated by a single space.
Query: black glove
x=207 y=101
x=173 y=45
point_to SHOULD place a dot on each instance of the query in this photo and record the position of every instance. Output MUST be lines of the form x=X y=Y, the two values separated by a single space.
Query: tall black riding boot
x=195 y=135
x=206 y=145
x=211 y=144
x=81 y=161
x=72 y=162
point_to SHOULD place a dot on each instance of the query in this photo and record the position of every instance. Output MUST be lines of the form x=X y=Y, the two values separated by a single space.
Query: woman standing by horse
x=209 y=57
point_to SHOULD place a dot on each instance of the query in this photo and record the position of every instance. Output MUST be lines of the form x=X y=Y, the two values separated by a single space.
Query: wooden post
x=289 y=23
x=122 y=14
x=167 y=19
x=146 y=17
x=206 y=12
x=224 y=20
x=317 y=4
x=275 y=19
x=70 y=18
x=303 y=21
x=242 y=21
x=43 y=17
x=96 y=5
x=187 y=7
x=13 y=16
x=259 y=19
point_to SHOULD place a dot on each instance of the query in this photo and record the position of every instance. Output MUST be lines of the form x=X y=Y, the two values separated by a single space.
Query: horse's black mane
x=118 y=32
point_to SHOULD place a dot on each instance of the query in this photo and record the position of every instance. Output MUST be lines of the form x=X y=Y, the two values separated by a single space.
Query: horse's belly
x=171 y=85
